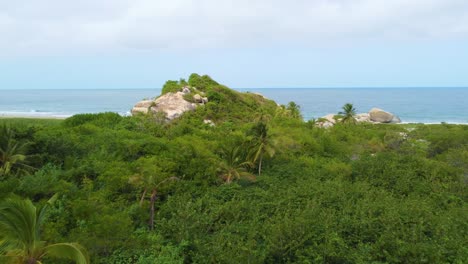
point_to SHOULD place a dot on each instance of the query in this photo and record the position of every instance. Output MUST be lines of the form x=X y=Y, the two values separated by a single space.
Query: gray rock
x=326 y=121
x=364 y=117
x=330 y=118
x=380 y=116
x=197 y=98
x=142 y=106
x=325 y=124
x=205 y=100
x=144 y=103
x=186 y=90
x=395 y=119
x=172 y=105
x=208 y=122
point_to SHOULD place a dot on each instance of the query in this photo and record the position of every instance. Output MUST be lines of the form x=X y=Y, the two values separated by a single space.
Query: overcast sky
x=243 y=43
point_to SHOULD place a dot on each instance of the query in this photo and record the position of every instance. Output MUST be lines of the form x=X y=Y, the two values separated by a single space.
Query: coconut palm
x=12 y=153
x=262 y=144
x=20 y=226
x=234 y=165
x=294 y=110
x=348 y=113
x=152 y=176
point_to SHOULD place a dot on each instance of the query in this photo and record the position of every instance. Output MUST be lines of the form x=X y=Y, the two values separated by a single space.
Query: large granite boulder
x=364 y=117
x=326 y=121
x=381 y=116
x=197 y=98
x=375 y=115
x=172 y=105
x=330 y=118
x=142 y=106
x=395 y=119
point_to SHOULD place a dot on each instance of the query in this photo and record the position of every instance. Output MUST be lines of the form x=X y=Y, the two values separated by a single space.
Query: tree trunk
x=143 y=197
x=153 y=200
x=260 y=165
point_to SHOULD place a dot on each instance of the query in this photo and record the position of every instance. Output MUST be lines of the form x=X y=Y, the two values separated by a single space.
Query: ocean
x=412 y=105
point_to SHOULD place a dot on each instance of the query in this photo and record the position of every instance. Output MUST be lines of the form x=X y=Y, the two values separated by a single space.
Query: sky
x=58 y=44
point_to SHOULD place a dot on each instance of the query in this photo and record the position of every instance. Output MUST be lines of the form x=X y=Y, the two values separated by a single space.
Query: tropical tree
x=20 y=229
x=348 y=113
x=294 y=110
x=12 y=153
x=153 y=175
x=234 y=165
x=291 y=110
x=262 y=144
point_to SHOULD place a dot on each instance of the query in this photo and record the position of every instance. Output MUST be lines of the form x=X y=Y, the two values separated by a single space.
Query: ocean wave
x=34 y=113
x=44 y=114
x=38 y=111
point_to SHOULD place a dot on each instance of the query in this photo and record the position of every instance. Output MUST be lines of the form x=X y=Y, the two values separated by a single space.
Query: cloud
x=57 y=26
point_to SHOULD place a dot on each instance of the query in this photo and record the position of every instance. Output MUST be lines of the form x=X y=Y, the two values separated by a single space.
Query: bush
x=108 y=119
x=201 y=82
x=171 y=87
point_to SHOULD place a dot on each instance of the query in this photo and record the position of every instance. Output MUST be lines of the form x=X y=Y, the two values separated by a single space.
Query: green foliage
x=20 y=242
x=348 y=114
x=202 y=83
x=171 y=87
x=108 y=119
x=294 y=110
x=13 y=158
x=261 y=144
x=365 y=193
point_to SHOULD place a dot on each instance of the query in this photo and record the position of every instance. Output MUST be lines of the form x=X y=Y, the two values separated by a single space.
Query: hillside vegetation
x=260 y=186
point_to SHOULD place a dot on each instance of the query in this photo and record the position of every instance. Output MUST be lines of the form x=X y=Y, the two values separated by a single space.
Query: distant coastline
x=2 y=115
x=412 y=105
x=63 y=117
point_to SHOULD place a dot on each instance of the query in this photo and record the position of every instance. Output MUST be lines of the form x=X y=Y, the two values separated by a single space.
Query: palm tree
x=261 y=144
x=151 y=178
x=234 y=165
x=348 y=113
x=20 y=226
x=12 y=153
x=294 y=110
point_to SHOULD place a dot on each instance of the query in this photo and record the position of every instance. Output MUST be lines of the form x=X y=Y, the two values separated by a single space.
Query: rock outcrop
x=208 y=122
x=172 y=105
x=375 y=115
x=381 y=116
x=326 y=121
x=395 y=119
x=364 y=117
x=197 y=98
x=142 y=106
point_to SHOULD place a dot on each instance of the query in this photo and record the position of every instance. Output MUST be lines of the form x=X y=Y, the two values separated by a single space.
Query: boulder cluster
x=172 y=105
x=375 y=115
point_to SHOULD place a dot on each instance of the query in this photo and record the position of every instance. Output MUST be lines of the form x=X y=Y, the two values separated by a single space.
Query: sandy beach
x=32 y=116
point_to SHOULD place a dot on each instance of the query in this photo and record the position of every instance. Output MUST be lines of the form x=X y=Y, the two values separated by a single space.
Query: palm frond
x=42 y=212
x=71 y=251
x=12 y=153
x=18 y=222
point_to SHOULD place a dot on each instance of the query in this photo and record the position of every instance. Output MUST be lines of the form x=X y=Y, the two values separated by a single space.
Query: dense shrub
x=348 y=194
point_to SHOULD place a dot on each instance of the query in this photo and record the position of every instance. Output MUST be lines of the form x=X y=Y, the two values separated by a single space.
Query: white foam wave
x=34 y=114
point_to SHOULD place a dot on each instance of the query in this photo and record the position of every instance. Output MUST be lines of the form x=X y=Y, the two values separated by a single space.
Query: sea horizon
x=430 y=105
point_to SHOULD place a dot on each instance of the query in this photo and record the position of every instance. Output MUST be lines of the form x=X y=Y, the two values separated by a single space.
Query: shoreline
x=26 y=116
x=63 y=117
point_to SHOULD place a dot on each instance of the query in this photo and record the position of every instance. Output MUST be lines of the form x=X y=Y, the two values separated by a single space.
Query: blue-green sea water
x=412 y=105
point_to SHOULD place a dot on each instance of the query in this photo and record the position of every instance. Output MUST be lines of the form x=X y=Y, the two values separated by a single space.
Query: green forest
x=259 y=185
